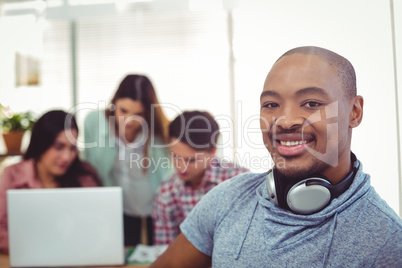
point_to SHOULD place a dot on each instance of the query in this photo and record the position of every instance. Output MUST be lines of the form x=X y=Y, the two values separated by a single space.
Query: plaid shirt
x=175 y=199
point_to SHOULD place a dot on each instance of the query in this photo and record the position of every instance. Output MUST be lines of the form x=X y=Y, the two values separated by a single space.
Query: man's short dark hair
x=196 y=128
x=345 y=69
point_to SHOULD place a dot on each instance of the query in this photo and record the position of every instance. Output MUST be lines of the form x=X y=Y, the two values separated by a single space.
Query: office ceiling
x=72 y=9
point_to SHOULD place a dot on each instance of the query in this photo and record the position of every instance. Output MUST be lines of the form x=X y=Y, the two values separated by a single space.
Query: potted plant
x=14 y=126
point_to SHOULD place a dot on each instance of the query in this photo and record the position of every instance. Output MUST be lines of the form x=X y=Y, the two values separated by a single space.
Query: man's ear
x=356 y=114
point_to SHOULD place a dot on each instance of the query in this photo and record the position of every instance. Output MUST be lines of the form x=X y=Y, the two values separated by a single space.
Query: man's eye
x=312 y=104
x=271 y=105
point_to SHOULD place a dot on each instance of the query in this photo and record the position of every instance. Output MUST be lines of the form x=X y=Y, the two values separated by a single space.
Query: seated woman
x=51 y=161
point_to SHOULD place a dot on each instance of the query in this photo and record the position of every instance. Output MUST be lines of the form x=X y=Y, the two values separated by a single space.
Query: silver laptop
x=65 y=227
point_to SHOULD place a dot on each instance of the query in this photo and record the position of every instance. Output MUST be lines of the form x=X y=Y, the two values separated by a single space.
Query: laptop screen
x=65 y=227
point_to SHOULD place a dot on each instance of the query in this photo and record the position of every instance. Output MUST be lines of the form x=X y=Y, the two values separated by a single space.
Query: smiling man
x=316 y=207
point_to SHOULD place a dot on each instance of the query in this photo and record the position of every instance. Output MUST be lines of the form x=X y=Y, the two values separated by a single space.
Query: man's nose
x=289 y=118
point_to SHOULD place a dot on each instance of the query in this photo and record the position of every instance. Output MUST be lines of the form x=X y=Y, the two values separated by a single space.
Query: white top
x=128 y=172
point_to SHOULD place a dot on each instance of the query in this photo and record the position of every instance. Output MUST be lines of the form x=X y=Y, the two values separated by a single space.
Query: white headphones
x=309 y=195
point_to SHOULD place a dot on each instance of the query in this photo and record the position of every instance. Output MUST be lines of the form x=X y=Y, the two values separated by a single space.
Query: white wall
x=398 y=45
x=23 y=34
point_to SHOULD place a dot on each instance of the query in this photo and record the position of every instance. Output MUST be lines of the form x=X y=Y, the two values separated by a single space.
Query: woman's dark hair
x=44 y=133
x=140 y=88
x=197 y=129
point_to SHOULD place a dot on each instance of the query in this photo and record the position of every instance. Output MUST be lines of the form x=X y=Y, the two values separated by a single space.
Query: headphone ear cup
x=309 y=196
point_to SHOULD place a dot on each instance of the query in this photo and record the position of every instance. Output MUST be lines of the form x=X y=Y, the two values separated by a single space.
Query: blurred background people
x=193 y=137
x=127 y=145
x=51 y=161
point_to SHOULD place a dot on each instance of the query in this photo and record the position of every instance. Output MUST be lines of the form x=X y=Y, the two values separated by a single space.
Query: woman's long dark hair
x=140 y=88
x=44 y=133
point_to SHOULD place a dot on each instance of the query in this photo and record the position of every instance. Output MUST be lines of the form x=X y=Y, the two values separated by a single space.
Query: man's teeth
x=292 y=143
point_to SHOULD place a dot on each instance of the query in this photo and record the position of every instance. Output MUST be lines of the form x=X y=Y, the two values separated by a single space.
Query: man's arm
x=180 y=254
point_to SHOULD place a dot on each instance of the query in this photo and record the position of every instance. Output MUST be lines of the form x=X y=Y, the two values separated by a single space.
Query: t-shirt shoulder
x=238 y=186
x=383 y=208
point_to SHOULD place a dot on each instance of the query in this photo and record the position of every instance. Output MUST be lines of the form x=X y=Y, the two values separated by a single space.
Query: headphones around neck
x=309 y=195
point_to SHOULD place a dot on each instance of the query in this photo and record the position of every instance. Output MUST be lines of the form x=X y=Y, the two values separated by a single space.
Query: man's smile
x=291 y=144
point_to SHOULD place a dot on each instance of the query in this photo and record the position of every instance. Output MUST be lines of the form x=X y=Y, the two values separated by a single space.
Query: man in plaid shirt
x=193 y=139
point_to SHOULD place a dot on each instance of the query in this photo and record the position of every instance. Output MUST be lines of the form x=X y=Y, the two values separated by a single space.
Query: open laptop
x=65 y=227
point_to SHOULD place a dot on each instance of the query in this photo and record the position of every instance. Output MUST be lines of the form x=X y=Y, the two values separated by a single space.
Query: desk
x=5 y=263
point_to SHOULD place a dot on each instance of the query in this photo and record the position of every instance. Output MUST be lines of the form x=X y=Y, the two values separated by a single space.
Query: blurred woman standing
x=126 y=144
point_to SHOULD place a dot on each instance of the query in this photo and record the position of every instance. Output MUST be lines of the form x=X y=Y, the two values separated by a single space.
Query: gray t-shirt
x=238 y=226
